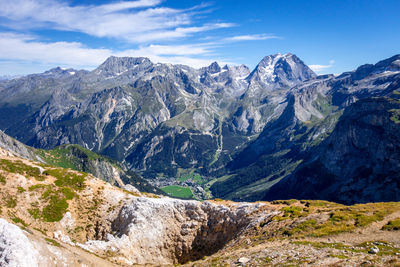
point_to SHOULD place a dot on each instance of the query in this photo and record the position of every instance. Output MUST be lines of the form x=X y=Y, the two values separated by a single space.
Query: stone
x=131 y=189
x=373 y=250
x=167 y=231
x=243 y=260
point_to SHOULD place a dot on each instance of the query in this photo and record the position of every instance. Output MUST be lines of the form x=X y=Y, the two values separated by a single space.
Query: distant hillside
x=80 y=159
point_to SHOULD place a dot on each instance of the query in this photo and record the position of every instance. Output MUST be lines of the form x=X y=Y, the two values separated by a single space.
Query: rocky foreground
x=59 y=217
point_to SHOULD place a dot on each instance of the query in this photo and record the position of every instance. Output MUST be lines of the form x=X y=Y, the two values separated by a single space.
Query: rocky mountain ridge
x=241 y=131
x=130 y=103
x=312 y=112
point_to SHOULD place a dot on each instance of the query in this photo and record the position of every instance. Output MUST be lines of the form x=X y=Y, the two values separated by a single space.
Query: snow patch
x=120 y=73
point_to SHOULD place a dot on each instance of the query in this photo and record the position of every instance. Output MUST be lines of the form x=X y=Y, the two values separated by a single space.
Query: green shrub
x=294 y=212
x=2 y=179
x=284 y=202
x=19 y=220
x=38 y=186
x=301 y=228
x=65 y=178
x=68 y=193
x=11 y=202
x=35 y=213
x=55 y=210
x=20 y=189
x=21 y=168
x=392 y=225
x=341 y=218
x=52 y=242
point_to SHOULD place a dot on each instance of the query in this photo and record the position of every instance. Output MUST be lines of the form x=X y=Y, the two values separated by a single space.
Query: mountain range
x=278 y=131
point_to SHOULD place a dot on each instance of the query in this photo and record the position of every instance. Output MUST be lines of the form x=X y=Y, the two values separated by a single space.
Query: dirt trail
x=372 y=232
x=66 y=255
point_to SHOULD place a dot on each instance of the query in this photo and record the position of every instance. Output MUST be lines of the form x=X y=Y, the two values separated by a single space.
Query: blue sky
x=330 y=36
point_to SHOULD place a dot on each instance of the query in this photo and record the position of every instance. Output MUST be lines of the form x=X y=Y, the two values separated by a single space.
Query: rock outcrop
x=10 y=144
x=170 y=231
x=16 y=250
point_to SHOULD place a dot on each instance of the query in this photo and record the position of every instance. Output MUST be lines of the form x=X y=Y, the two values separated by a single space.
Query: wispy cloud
x=25 y=48
x=322 y=68
x=252 y=37
x=127 y=5
x=179 y=50
x=135 y=21
x=176 y=33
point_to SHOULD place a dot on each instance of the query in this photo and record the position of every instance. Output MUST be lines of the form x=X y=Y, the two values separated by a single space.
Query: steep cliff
x=357 y=163
x=312 y=110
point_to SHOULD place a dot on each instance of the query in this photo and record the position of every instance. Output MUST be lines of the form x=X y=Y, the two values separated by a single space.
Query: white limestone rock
x=16 y=250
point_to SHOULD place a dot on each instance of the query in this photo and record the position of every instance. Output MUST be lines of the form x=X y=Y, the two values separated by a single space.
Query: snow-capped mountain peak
x=280 y=71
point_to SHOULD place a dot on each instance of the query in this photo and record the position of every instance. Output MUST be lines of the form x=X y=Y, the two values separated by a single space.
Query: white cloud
x=135 y=21
x=127 y=5
x=22 y=47
x=25 y=48
x=179 y=50
x=322 y=68
x=176 y=33
x=252 y=37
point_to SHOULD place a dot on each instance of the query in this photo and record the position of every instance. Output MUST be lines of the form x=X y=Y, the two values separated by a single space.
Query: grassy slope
x=80 y=159
x=318 y=233
x=54 y=196
x=64 y=157
x=178 y=191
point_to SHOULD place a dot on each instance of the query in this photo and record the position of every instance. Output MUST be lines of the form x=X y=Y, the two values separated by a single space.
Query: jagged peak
x=59 y=70
x=214 y=68
x=391 y=64
x=278 y=57
x=55 y=70
x=119 y=64
x=126 y=60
